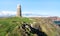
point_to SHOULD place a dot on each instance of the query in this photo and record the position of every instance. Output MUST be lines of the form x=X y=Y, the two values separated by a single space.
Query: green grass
x=9 y=26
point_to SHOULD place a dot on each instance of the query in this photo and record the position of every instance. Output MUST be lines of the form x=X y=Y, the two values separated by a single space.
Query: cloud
x=35 y=14
x=24 y=14
x=7 y=13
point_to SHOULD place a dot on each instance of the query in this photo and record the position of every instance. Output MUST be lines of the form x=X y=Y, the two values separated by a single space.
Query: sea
x=57 y=22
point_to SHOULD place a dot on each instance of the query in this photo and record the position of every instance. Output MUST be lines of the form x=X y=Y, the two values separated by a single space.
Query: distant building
x=55 y=18
x=18 y=14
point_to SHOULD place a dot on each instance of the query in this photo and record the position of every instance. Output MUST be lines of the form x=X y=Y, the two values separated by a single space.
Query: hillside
x=48 y=26
x=13 y=27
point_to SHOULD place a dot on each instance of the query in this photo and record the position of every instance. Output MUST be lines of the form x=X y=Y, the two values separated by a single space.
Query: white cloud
x=7 y=13
x=24 y=14
x=35 y=14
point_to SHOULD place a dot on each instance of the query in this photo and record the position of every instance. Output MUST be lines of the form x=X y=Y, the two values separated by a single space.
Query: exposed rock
x=33 y=30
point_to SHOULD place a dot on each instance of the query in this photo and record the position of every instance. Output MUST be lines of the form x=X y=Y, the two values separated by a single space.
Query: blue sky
x=31 y=7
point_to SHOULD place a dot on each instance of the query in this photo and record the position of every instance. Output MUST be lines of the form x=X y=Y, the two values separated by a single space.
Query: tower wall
x=19 y=11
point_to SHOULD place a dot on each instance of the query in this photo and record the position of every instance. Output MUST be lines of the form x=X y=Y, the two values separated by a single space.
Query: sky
x=30 y=7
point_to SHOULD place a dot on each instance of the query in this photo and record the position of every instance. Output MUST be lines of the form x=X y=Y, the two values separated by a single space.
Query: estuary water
x=57 y=22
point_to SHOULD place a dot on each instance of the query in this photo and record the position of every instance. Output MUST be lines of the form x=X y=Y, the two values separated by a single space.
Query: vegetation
x=7 y=25
x=10 y=26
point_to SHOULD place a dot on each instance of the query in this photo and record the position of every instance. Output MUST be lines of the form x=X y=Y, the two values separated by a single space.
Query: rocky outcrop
x=28 y=30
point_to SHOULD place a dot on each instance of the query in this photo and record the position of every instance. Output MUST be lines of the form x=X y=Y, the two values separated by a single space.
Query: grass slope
x=9 y=26
x=48 y=26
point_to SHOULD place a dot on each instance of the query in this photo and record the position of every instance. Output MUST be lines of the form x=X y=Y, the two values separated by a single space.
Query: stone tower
x=19 y=11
